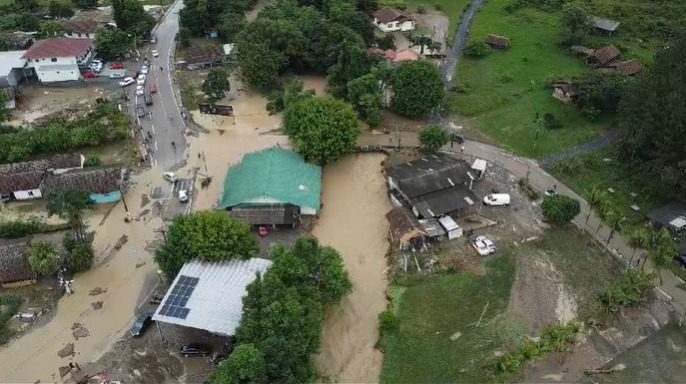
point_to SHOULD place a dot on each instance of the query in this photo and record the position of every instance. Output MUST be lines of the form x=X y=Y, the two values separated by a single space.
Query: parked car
x=140 y=90
x=155 y=53
x=126 y=82
x=170 y=177
x=183 y=195
x=497 y=199
x=140 y=110
x=117 y=74
x=483 y=245
x=141 y=79
x=117 y=66
x=144 y=69
x=95 y=68
x=89 y=75
x=195 y=349
x=142 y=322
x=148 y=98
x=551 y=192
x=153 y=88
x=681 y=260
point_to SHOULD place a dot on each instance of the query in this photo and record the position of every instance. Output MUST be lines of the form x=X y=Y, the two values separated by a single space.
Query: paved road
x=455 y=52
x=165 y=124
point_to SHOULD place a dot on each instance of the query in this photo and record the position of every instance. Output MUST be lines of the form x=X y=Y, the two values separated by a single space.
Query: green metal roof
x=273 y=175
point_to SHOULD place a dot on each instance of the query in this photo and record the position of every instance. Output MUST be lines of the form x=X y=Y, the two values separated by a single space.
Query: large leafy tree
x=80 y=258
x=44 y=259
x=653 y=112
x=85 y=3
x=417 y=87
x=207 y=236
x=433 y=138
x=322 y=129
x=352 y=63
x=216 y=85
x=70 y=206
x=366 y=95
x=246 y=365
x=60 y=9
x=4 y=112
x=230 y=24
x=131 y=17
x=112 y=43
x=560 y=209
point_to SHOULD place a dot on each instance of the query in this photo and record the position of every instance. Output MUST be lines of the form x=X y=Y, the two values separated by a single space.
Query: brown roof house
x=78 y=29
x=390 y=20
x=22 y=181
x=626 y=67
x=405 y=230
x=498 y=42
x=564 y=91
x=14 y=263
x=605 y=55
x=105 y=185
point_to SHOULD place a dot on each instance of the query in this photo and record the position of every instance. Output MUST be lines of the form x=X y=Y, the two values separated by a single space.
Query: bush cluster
x=632 y=288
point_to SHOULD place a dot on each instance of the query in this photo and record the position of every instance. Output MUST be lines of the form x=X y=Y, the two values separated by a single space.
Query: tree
x=85 y=4
x=43 y=258
x=559 y=209
x=70 y=206
x=477 y=49
x=594 y=200
x=230 y=25
x=4 y=112
x=130 y=17
x=599 y=92
x=653 y=114
x=576 y=18
x=112 y=43
x=616 y=224
x=80 y=258
x=291 y=93
x=663 y=249
x=418 y=88
x=433 y=138
x=322 y=129
x=365 y=93
x=51 y=29
x=245 y=365
x=59 y=9
x=216 y=85
x=352 y=63
x=207 y=236
x=632 y=288
x=639 y=238
x=424 y=42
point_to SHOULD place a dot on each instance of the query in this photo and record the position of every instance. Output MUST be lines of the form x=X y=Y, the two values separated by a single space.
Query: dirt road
x=354 y=204
x=34 y=356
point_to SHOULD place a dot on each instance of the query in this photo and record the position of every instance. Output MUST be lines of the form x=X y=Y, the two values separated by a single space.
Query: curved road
x=166 y=122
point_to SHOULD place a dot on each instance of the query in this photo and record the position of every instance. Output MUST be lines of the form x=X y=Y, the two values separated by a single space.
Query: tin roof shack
x=604 y=26
x=605 y=55
x=406 y=231
x=22 y=181
x=14 y=263
x=272 y=187
x=203 y=54
x=671 y=216
x=433 y=186
x=498 y=42
x=105 y=185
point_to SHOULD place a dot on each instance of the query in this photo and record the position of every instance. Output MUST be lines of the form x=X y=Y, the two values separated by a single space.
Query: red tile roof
x=79 y=26
x=58 y=48
x=387 y=15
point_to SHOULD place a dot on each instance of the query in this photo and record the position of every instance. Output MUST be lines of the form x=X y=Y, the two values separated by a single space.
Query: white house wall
x=52 y=75
x=27 y=194
x=393 y=26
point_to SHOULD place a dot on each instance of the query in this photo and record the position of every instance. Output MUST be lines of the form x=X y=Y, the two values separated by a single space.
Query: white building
x=57 y=60
x=391 y=20
x=12 y=66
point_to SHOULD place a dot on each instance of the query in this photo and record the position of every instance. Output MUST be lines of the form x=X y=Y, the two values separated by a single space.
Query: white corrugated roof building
x=209 y=296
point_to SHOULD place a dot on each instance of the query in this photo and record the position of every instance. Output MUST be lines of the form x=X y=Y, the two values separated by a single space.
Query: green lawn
x=432 y=310
x=452 y=8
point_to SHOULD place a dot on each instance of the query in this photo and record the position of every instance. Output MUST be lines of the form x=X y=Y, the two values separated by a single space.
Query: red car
x=89 y=75
x=153 y=88
x=263 y=231
x=117 y=66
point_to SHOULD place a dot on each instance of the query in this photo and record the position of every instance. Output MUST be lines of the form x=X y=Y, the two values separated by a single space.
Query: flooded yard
x=352 y=221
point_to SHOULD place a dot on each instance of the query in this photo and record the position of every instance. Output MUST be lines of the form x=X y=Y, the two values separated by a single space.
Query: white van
x=497 y=199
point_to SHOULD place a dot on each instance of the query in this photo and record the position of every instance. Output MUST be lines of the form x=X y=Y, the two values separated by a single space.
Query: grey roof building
x=672 y=216
x=209 y=296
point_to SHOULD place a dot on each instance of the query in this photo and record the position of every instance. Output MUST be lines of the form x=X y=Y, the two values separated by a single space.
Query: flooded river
x=353 y=221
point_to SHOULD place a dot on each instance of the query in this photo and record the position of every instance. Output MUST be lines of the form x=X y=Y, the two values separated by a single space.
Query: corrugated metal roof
x=216 y=304
x=273 y=176
x=61 y=47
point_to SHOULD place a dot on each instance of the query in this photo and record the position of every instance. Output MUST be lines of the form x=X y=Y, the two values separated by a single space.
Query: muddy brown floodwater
x=353 y=221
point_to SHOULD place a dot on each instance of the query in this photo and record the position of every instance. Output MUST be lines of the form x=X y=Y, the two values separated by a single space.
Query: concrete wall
x=52 y=75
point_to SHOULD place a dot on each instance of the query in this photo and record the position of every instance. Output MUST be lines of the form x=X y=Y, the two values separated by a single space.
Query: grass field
x=501 y=93
x=452 y=8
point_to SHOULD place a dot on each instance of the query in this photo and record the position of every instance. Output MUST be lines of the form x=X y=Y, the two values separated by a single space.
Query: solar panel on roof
x=175 y=304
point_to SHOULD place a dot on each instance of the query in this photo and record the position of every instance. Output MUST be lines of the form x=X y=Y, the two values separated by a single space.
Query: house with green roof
x=272 y=187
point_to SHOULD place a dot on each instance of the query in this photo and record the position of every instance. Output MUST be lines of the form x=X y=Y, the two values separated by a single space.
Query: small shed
x=14 y=263
x=565 y=92
x=405 y=229
x=604 y=26
x=626 y=67
x=433 y=228
x=453 y=230
x=605 y=55
x=498 y=42
x=479 y=166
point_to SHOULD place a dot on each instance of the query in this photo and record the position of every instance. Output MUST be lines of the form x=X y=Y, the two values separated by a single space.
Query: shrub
x=438 y=7
x=388 y=322
x=421 y=9
x=632 y=288
x=80 y=258
x=550 y=121
x=9 y=305
x=560 y=209
x=43 y=258
x=69 y=242
x=92 y=161
x=16 y=229
x=477 y=49
x=433 y=138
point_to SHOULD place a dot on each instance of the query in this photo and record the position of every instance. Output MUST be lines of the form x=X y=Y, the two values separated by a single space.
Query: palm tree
x=616 y=225
x=70 y=206
x=594 y=200
x=639 y=238
x=423 y=42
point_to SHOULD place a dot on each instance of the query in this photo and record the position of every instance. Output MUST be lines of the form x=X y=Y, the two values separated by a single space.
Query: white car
x=95 y=68
x=117 y=75
x=140 y=90
x=170 y=177
x=141 y=80
x=155 y=53
x=183 y=195
x=497 y=199
x=144 y=69
x=126 y=82
x=483 y=245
